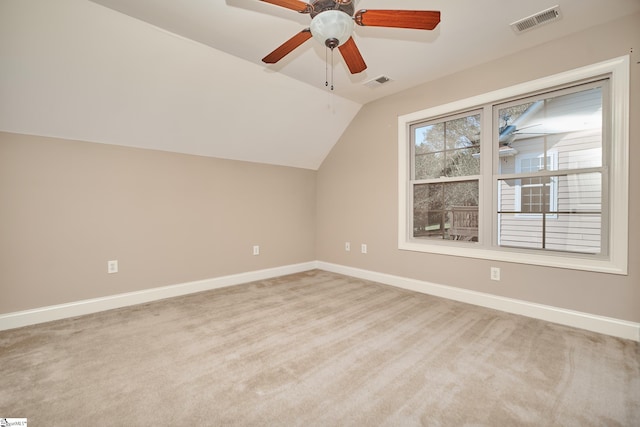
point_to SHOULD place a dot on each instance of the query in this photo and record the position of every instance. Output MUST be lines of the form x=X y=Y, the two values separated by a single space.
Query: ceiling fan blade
x=297 y=5
x=352 y=56
x=414 y=19
x=287 y=47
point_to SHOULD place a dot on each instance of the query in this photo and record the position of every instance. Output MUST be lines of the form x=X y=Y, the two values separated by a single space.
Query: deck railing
x=464 y=223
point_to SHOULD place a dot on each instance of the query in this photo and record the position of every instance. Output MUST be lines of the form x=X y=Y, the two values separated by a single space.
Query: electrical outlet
x=256 y=250
x=363 y=248
x=347 y=246
x=495 y=273
x=112 y=266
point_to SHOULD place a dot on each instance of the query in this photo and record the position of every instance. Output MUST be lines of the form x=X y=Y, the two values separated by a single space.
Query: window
x=446 y=170
x=536 y=173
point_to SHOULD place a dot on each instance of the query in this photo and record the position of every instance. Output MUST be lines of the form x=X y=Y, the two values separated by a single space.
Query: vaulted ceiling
x=186 y=76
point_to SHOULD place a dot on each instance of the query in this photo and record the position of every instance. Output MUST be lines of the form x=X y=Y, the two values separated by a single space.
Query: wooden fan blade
x=297 y=5
x=287 y=47
x=352 y=56
x=415 y=19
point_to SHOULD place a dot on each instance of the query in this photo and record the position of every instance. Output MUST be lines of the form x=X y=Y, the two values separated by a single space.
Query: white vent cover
x=530 y=22
x=378 y=81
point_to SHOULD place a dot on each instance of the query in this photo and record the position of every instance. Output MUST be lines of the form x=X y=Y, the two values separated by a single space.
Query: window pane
x=446 y=210
x=520 y=232
x=568 y=125
x=462 y=162
x=579 y=233
x=429 y=224
x=429 y=138
x=580 y=193
x=507 y=189
x=575 y=233
x=575 y=225
x=428 y=213
x=428 y=197
x=429 y=165
x=463 y=132
x=447 y=149
x=463 y=193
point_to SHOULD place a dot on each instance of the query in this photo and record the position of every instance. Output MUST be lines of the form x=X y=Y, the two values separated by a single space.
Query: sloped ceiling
x=186 y=76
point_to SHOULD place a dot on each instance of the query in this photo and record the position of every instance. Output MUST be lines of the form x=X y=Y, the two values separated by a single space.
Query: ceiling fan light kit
x=332 y=28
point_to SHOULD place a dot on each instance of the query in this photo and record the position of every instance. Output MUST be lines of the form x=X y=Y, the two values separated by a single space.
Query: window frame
x=616 y=259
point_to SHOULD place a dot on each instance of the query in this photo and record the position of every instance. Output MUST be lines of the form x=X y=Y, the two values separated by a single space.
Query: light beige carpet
x=315 y=349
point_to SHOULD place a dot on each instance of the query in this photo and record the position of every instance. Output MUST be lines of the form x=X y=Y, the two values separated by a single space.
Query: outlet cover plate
x=112 y=266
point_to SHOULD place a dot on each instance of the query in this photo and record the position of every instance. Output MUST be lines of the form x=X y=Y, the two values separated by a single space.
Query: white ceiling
x=187 y=76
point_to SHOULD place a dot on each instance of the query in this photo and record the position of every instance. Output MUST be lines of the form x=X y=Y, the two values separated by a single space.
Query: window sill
x=557 y=259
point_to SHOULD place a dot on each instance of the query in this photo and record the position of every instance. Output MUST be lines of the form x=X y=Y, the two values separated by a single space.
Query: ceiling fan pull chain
x=331 y=69
x=326 y=68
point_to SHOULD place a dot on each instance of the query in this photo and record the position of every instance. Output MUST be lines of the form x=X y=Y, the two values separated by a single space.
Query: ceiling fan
x=332 y=23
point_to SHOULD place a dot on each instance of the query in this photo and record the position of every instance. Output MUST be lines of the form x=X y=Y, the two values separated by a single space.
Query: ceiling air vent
x=378 y=81
x=530 y=22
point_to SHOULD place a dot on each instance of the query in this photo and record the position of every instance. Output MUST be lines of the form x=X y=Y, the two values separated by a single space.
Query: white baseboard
x=605 y=325
x=601 y=324
x=79 y=308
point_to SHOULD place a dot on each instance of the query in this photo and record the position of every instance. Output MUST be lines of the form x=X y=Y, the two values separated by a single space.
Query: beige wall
x=358 y=196
x=68 y=207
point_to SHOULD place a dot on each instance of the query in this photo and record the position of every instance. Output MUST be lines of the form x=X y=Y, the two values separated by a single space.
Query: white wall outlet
x=363 y=248
x=112 y=266
x=256 y=250
x=347 y=246
x=495 y=273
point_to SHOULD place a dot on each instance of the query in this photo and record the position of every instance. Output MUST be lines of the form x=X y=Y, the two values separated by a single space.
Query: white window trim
x=617 y=260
